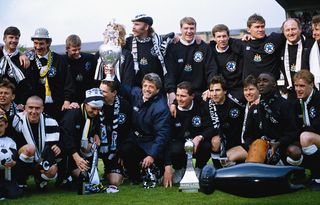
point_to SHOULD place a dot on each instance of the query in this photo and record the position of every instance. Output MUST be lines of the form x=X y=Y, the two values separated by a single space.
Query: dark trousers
x=179 y=156
x=133 y=155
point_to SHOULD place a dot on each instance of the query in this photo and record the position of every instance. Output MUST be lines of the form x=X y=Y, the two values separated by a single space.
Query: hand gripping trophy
x=189 y=182
x=110 y=54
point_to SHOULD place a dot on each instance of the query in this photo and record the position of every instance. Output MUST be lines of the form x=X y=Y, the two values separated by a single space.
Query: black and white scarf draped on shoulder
x=48 y=131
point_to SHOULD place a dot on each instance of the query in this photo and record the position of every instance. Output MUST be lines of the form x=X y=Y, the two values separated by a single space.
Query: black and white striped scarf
x=13 y=71
x=159 y=46
x=104 y=148
x=22 y=125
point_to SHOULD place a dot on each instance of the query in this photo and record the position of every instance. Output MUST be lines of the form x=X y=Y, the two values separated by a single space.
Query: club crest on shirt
x=122 y=118
x=177 y=124
x=143 y=61
x=248 y=48
x=196 y=121
x=198 y=56
x=293 y=68
x=180 y=60
x=79 y=77
x=312 y=112
x=269 y=48
x=87 y=66
x=234 y=113
x=52 y=72
x=188 y=68
x=231 y=66
x=257 y=58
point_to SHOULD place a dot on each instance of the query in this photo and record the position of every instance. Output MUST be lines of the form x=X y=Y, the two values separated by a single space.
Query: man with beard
x=189 y=61
x=148 y=48
x=51 y=79
x=273 y=119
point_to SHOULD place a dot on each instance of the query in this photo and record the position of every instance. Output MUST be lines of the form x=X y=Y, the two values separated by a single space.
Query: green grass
x=130 y=194
x=135 y=194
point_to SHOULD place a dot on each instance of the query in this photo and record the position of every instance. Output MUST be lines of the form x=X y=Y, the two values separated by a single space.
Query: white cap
x=41 y=33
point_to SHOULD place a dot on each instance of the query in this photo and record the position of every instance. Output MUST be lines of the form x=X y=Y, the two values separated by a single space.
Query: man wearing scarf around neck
x=294 y=53
x=79 y=130
x=308 y=110
x=272 y=119
x=51 y=78
x=115 y=123
x=189 y=61
x=314 y=56
x=148 y=48
x=144 y=148
x=38 y=144
x=10 y=66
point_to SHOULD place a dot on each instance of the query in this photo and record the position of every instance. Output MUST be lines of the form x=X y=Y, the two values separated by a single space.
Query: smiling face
x=316 y=31
x=149 y=89
x=251 y=93
x=6 y=96
x=217 y=94
x=291 y=31
x=74 y=52
x=183 y=98
x=41 y=46
x=11 y=42
x=188 y=32
x=33 y=109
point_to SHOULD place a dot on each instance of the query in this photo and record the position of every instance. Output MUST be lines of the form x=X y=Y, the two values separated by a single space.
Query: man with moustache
x=148 y=48
x=189 y=61
x=294 y=53
x=51 y=79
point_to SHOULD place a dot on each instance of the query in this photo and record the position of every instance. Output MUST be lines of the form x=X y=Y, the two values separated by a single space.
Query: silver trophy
x=189 y=182
x=110 y=51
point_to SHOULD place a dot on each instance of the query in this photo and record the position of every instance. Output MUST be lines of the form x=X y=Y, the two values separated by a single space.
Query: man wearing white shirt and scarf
x=79 y=130
x=308 y=110
x=293 y=55
x=314 y=58
x=10 y=66
x=37 y=144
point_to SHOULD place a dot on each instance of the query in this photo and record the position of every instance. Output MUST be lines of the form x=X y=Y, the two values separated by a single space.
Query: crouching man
x=37 y=142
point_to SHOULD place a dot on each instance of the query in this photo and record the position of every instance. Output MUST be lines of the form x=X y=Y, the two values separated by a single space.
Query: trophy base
x=189 y=182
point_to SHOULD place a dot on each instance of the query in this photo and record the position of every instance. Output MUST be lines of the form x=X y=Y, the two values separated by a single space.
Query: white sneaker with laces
x=112 y=189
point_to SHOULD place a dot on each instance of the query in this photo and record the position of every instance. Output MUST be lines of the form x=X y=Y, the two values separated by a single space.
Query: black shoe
x=314 y=186
x=41 y=184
